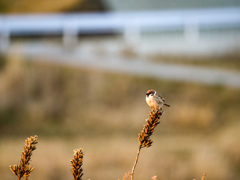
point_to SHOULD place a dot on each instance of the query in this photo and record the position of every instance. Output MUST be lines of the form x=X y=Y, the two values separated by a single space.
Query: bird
x=154 y=100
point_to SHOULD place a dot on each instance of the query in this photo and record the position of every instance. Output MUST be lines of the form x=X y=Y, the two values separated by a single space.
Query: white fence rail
x=127 y=23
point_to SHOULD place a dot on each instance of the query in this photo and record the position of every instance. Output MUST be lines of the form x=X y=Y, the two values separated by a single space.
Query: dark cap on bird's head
x=151 y=91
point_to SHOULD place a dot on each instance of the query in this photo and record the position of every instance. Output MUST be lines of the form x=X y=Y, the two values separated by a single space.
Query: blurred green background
x=71 y=107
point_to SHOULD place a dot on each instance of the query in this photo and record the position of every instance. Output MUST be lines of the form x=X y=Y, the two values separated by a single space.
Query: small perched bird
x=154 y=100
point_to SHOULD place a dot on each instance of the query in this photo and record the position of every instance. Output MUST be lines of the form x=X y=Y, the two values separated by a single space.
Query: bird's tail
x=166 y=104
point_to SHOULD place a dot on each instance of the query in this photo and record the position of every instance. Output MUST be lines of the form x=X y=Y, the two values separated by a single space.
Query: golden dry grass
x=50 y=99
x=228 y=61
x=77 y=163
x=204 y=176
x=180 y=156
x=148 y=129
x=24 y=169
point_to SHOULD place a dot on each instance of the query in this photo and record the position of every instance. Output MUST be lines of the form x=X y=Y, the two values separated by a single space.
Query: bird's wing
x=160 y=99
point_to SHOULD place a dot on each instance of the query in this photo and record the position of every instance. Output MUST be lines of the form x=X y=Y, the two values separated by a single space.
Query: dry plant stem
x=148 y=129
x=154 y=178
x=204 y=176
x=127 y=176
x=136 y=160
x=23 y=169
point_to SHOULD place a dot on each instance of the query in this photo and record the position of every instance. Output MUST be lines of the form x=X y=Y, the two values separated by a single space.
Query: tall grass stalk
x=148 y=129
x=77 y=162
x=24 y=169
x=204 y=176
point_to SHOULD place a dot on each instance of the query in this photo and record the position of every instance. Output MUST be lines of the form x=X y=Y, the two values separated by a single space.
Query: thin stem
x=135 y=163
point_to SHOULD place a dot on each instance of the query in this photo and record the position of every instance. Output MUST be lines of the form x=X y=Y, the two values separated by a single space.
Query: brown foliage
x=23 y=169
x=77 y=162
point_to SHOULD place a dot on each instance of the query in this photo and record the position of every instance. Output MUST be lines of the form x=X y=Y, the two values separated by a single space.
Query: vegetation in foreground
x=24 y=169
x=200 y=131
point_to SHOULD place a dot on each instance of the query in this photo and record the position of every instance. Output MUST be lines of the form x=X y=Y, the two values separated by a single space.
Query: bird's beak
x=147 y=94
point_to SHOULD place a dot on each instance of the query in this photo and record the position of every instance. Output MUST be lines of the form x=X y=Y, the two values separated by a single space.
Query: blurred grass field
x=69 y=107
x=228 y=61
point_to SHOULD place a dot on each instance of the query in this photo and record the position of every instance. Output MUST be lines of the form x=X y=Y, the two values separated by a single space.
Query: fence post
x=191 y=32
x=4 y=38
x=132 y=34
x=70 y=36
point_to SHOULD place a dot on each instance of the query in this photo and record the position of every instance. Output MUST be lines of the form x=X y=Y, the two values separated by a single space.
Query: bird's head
x=150 y=92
